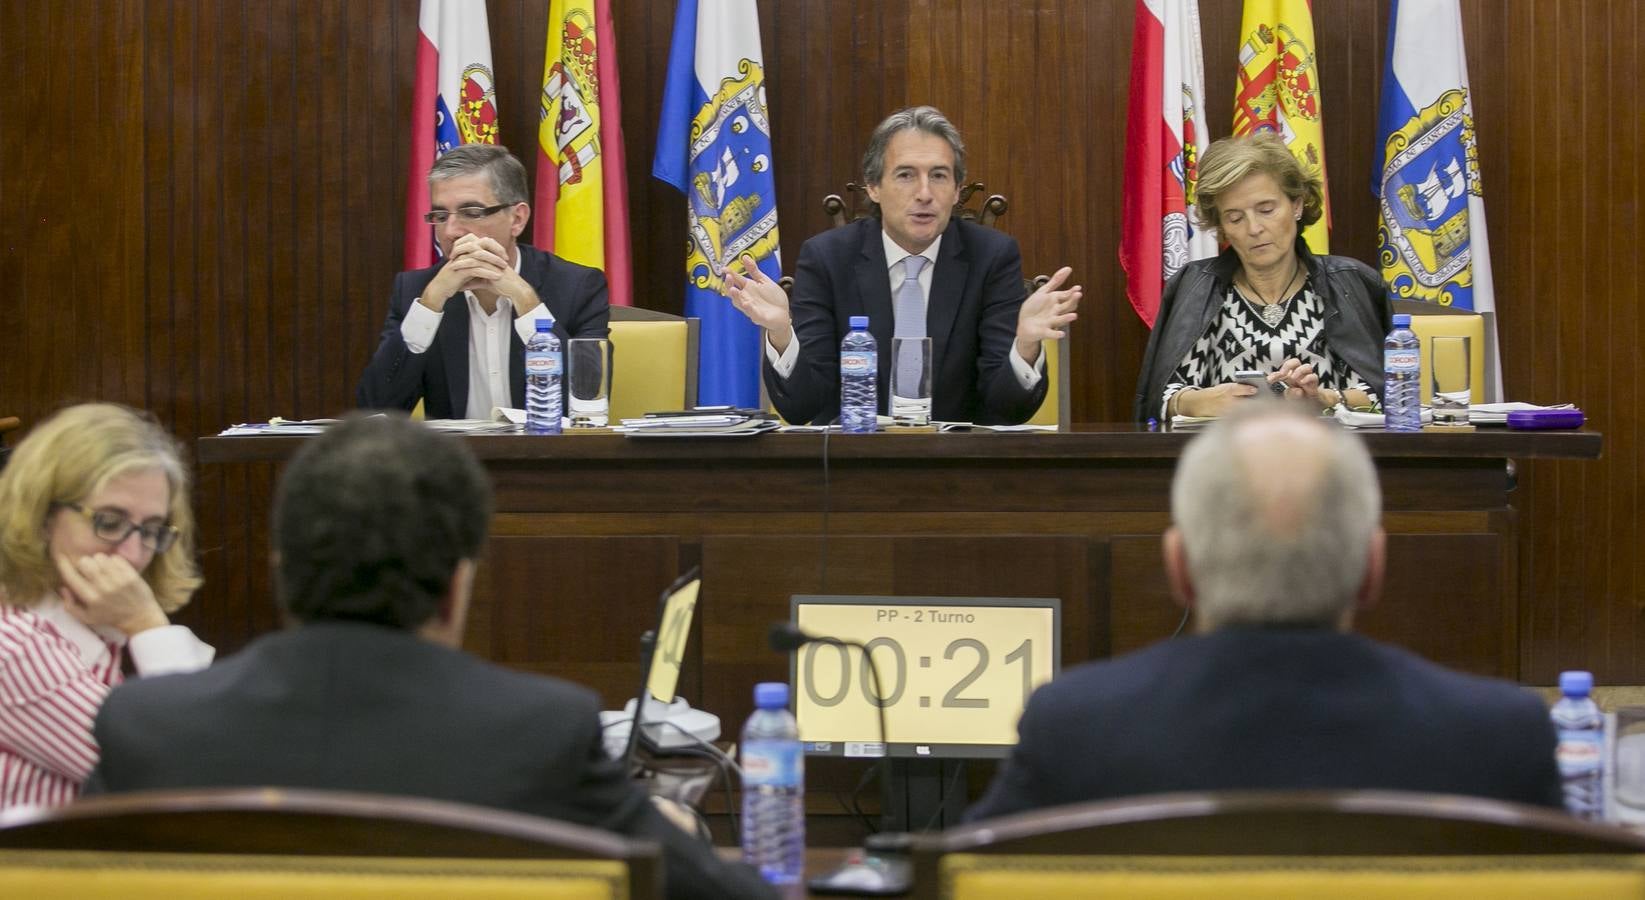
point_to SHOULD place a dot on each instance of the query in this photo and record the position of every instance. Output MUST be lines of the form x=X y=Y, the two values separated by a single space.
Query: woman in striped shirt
x=96 y=547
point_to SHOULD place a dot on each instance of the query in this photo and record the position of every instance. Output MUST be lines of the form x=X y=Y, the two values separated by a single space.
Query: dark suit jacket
x=1275 y=709
x=359 y=707
x=396 y=378
x=976 y=290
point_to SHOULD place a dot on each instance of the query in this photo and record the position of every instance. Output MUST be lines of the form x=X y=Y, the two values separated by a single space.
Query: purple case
x=1539 y=419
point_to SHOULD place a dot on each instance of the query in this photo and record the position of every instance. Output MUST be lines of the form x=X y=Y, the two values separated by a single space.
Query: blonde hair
x=1229 y=161
x=66 y=459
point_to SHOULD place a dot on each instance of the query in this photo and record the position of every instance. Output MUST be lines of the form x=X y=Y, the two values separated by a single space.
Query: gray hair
x=1277 y=511
x=507 y=173
x=913 y=118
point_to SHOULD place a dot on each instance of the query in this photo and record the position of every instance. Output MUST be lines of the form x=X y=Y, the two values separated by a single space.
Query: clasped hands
x=479 y=264
x=1041 y=317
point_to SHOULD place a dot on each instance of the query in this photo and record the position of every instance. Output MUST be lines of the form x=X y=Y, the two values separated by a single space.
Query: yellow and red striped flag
x=581 y=207
x=1278 y=88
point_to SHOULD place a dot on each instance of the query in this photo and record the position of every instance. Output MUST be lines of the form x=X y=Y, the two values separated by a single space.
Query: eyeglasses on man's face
x=466 y=213
x=112 y=525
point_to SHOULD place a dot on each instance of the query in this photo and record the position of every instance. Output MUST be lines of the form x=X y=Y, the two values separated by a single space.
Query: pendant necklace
x=1272 y=312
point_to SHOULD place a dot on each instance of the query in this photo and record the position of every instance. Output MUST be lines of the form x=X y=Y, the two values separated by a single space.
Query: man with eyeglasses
x=465 y=363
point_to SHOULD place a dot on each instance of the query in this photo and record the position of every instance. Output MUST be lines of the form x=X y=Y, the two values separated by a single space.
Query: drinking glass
x=589 y=370
x=1627 y=765
x=1449 y=366
x=911 y=380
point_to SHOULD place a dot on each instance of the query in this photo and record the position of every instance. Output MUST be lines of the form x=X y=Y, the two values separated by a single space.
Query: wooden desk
x=588 y=529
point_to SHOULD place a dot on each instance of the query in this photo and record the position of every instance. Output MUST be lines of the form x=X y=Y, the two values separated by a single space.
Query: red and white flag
x=1164 y=139
x=453 y=101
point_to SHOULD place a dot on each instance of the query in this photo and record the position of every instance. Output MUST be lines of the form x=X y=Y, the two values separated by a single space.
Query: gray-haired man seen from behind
x=378 y=529
x=1276 y=544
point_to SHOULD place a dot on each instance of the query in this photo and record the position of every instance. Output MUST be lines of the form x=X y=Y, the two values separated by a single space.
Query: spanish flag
x=1278 y=88
x=581 y=207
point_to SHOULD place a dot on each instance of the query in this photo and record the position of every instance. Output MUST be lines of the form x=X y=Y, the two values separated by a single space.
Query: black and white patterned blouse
x=1239 y=340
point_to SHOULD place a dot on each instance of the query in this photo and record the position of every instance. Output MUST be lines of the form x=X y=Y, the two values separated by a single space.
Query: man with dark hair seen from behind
x=378 y=527
x=1276 y=543
x=456 y=332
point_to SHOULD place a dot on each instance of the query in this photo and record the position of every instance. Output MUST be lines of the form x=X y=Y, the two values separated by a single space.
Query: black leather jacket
x=1358 y=315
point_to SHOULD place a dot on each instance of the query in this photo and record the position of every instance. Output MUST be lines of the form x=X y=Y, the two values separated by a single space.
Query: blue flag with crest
x=714 y=146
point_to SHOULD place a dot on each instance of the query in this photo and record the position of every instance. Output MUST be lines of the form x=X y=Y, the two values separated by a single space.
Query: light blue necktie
x=910 y=315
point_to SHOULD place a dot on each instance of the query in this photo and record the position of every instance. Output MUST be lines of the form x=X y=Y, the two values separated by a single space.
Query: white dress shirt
x=488 y=345
x=783 y=363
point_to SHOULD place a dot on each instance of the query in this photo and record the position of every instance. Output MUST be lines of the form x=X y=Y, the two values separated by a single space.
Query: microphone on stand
x=786 y=637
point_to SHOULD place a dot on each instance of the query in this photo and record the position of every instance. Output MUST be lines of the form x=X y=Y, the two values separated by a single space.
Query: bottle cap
x=859 y=323
x=1571 y=684
x=545 y=324
x=771 y=695
x=1402 y=320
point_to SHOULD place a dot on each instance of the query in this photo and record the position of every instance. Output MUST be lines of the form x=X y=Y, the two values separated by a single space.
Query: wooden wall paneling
x=277 y=330
x=16 y=57
x=1594 y=358
x=1627 y=216
x=116 y=138
x=1526 y=350
x=1135 y=570
x=1562 y=187
x=307 y=253
x=593 y=597
x=51 y=236
x=1615 y=201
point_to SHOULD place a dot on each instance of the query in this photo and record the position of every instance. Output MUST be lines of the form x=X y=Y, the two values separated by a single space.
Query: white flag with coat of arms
x=1431 y=234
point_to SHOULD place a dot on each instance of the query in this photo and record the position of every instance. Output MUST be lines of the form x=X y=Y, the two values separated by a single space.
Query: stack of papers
x=277 y=426
x=717 y=424
x=472 y=426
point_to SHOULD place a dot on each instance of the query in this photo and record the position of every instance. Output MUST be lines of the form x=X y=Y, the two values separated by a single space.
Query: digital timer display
x=955 y=672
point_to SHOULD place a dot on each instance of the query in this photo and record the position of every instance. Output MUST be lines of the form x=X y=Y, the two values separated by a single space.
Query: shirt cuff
x=1027 y=375
x=174 y=648
x=525 y=326
x=1171 y=390
x=418 y=327
x=783 y=363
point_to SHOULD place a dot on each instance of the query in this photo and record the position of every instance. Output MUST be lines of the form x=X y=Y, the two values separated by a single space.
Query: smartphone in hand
x=1259 y=381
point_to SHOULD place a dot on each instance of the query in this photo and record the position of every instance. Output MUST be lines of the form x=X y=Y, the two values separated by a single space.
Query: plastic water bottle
x=544 y=367
x=773 y=788
x=1581 y=729
x=1402 y=374
x=859 y=380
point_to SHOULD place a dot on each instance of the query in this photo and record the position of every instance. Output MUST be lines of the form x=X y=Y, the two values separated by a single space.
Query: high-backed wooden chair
x=255 y=843
x=1282 y=845
x=842 y=211
x=654 y=362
